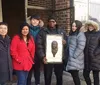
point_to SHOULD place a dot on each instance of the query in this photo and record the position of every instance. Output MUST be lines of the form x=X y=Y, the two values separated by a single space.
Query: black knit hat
x=51 y=17
x=35 y=17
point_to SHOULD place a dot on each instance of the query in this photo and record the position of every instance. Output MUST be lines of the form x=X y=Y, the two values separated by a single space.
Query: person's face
x=74 y=27
x=3 y=30
x=34 y=22
x=25 y=30
x=52 y=23
x=90 y=28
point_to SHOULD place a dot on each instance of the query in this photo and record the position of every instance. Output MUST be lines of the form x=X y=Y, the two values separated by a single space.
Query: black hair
x=3 y=23
x=20 y=31
x=78 y=25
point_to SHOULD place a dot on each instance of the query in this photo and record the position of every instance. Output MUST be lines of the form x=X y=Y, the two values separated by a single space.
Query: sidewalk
x=67 y=79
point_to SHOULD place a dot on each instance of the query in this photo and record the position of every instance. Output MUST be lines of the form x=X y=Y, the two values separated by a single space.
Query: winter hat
x=51 y=18
x=35 y=17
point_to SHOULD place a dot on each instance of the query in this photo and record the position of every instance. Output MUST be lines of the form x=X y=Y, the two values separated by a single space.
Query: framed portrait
x=54 y=48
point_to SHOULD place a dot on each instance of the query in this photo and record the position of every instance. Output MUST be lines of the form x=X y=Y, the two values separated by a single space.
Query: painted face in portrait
x=54 y=48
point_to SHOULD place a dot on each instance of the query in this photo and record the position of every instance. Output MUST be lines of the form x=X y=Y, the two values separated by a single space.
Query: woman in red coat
x=22 y=51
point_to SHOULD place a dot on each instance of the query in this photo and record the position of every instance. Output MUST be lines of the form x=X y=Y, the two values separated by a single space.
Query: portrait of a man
x=54 y=48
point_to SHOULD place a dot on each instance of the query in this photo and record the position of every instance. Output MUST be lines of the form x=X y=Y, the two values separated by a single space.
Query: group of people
x=27 y=50
x=84 y=51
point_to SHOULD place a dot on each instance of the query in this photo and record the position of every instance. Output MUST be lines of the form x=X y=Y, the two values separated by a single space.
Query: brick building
x=16 y=11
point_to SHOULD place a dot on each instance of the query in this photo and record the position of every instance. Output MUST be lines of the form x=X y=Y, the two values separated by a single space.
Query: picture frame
x=54 y=48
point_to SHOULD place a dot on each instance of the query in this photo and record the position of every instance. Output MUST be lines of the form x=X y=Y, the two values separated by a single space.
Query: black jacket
x=92 y=51
x=41 y=42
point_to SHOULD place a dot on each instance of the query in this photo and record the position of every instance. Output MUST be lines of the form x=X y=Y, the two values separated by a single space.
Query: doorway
x=13 y=14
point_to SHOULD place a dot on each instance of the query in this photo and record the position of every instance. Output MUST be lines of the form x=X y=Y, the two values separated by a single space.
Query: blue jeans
x=22 y=77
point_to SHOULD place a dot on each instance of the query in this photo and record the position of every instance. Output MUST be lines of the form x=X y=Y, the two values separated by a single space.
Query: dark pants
x=86 y=74
x=2 y=83
x=58 y=69
x=22 y=77
x=75 y=75
x=36 y=69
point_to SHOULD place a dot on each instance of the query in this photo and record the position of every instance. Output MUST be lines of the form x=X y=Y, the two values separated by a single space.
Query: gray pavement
x=67 y=79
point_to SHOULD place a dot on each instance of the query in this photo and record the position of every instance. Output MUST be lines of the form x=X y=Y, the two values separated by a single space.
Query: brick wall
x=63 y=14
x=43 y=14
x=41 y=3
x=61 y=4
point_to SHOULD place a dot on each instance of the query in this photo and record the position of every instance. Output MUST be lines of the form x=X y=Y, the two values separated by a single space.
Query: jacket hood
x=93 y=23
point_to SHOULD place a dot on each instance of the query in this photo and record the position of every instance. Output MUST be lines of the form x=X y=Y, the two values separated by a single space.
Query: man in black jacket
x=52 y=28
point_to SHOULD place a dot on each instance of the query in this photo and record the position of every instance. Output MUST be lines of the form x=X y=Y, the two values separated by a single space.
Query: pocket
x=19 y=61
x=27 y=65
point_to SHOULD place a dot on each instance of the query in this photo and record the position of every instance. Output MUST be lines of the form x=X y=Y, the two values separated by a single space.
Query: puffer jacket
x=92 y=48
x=76 y=45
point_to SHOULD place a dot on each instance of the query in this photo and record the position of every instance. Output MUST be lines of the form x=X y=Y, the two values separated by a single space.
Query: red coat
x=22 y=58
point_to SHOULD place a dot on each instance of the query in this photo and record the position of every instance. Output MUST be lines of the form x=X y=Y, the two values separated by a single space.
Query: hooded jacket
x=92 y=48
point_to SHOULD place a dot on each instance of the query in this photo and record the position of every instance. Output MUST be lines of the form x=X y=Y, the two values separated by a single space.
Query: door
x=13 y=14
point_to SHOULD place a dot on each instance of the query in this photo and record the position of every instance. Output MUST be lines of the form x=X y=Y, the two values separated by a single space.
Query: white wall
x=86 y=8
x=95 y=1
x=94 y=10
x=81 y=9
x=0 y=11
